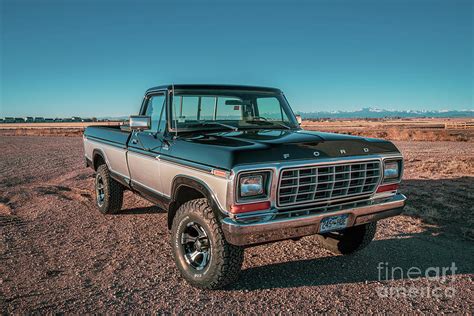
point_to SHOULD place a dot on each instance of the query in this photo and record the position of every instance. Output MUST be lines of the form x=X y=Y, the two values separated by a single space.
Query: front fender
x=180 y=181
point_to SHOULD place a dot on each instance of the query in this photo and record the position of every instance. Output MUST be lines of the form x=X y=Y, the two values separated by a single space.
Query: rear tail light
x=251 y=207
x=387 y=188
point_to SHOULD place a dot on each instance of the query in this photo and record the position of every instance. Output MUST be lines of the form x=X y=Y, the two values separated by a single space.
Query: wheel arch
x=186 y=188
x=98 y=158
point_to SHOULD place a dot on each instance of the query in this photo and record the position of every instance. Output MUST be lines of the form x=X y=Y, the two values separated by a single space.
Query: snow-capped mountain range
x=380 y=113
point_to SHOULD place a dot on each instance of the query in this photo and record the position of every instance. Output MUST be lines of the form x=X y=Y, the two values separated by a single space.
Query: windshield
x=199 y=110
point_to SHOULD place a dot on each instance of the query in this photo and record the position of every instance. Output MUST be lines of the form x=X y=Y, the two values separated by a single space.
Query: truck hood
x=228 y=149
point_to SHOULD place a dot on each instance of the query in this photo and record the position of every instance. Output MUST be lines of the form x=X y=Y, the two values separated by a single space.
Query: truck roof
x=214 y=87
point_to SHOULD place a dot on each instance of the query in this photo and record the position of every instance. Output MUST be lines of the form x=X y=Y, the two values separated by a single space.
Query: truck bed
x=113 y=134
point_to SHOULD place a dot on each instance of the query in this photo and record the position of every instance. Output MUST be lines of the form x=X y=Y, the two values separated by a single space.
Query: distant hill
x=380 y=113
x=114 y=118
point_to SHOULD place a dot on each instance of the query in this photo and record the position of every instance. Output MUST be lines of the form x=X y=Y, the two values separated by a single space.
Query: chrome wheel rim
x=196 y=246
x=99 y=190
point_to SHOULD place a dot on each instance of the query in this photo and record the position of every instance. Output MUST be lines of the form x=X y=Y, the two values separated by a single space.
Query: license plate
x=333 y=223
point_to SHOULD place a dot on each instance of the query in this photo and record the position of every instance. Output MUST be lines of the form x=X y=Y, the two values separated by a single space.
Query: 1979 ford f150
x=233 y=168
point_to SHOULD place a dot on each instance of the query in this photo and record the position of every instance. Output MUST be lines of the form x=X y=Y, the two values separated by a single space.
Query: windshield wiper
x=235 y=129
x=264 y=119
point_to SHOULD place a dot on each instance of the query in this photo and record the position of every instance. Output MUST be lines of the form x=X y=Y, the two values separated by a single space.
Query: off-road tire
x=350 y=240
x=225 y=260
x=112 y=192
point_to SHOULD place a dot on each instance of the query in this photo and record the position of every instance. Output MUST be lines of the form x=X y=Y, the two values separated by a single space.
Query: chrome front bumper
x=243 y=234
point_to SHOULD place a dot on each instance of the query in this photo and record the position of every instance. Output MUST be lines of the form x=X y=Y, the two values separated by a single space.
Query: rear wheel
x=109 y=193
x=201 y=253
x=349 y=240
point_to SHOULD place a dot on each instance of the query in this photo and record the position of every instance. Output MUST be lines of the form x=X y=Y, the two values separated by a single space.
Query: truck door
x=144 y=147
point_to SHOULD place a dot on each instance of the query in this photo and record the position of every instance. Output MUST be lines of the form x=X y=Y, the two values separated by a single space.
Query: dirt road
x=58 y=254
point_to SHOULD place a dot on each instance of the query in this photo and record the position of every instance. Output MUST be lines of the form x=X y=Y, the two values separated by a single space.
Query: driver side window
x=155 y=109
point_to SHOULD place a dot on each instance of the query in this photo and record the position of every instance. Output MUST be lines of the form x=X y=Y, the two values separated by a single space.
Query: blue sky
x=96 y=58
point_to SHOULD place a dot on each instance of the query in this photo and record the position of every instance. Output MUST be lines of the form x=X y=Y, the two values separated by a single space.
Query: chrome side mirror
x=140 y=122
x=299 y=119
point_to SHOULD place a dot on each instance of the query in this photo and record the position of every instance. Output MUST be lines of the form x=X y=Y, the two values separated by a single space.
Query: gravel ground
x=59 y=254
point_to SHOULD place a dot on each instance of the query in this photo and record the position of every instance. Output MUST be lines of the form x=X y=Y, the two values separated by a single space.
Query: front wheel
x=203 y=256
x=349 y=240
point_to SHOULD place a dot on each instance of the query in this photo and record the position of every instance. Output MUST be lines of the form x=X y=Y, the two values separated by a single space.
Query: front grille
x=311 y=184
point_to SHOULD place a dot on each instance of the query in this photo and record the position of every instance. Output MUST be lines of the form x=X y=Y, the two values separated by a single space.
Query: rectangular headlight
x=251 y=185
x=391 y=170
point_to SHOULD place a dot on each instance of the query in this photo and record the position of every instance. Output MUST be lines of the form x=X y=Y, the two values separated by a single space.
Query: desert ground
x=419 y=129
x=49 y=129
x=59 y=254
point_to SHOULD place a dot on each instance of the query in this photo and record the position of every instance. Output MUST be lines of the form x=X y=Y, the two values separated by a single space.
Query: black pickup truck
x=233 y=168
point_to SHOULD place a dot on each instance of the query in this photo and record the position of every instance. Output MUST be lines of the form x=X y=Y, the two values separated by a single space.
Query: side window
x=156 y=110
